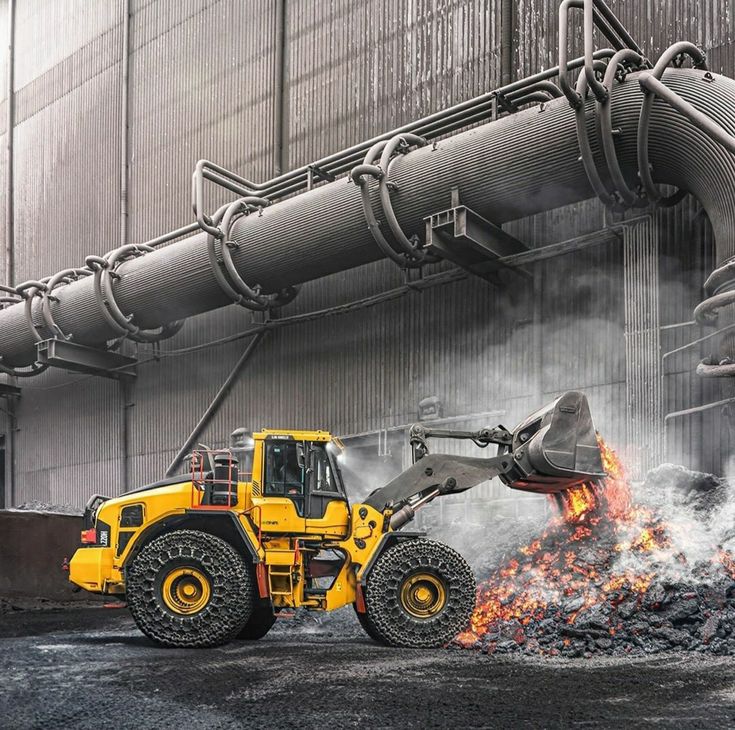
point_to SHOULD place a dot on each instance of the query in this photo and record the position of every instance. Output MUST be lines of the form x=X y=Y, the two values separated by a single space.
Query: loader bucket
x=555 y=448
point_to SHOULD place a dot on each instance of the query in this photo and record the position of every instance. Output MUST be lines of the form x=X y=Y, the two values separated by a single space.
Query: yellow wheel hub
x=186 y=591
x=423 y=595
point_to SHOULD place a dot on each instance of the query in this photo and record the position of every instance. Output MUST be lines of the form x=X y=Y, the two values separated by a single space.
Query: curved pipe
x=216 y=269
x=549 y=87
x=358 y=175
x=598 y=88
x=398 y=145
x=536 y=97
x=593 y=16
x=241 y=207
x=509 y=169
x=62 y=277
x=628 y=196
x=706 y=312
x=588 y=159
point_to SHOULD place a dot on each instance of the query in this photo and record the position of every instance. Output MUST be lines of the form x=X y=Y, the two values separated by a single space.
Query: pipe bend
x=707 y=369
x=644 y=164
x=681 y=48
x=573 y=96
x=23 y=288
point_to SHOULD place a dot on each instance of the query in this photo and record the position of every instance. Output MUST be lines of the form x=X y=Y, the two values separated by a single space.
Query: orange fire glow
x=549 y=571
x=727 y=561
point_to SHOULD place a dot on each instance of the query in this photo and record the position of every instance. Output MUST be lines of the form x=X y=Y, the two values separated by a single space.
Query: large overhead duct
x=291 y=230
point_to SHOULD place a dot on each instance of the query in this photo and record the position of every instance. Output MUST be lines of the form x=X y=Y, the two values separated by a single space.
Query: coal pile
x=59 y=509
x=619 y=571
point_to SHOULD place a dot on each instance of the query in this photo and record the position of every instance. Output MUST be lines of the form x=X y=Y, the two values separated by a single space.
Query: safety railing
x=215 y=476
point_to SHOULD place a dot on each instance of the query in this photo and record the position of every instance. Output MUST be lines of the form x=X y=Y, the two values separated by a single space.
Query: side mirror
x=300 y=455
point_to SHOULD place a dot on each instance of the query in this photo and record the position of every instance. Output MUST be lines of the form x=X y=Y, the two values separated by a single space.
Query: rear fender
x=222 y=524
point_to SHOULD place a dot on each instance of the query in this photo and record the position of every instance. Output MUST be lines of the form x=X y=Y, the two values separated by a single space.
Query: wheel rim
x=423 y=595
x=186 y=591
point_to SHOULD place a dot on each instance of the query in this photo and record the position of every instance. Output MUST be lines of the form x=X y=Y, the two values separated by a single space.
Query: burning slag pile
x=619 y=575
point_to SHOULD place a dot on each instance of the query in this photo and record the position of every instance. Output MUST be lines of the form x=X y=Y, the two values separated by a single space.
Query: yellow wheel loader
x=216 y=554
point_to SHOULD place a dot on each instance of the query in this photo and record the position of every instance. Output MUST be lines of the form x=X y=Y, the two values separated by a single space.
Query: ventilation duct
x=373 y=200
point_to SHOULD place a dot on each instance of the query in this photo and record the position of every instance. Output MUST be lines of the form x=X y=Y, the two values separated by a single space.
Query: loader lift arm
x=552 y=450
x=482 y=438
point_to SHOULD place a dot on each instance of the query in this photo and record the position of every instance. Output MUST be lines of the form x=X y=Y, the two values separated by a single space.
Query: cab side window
x=322 y=475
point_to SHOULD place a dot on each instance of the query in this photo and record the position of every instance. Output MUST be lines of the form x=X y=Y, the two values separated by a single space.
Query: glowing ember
x=576 y=567
x=727 y=561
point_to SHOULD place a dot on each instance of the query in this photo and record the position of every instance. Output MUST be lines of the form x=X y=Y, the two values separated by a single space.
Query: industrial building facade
x=111 y=104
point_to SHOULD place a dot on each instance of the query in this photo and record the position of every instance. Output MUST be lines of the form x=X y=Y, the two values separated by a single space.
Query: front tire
x=190 y=589
x=420 y=594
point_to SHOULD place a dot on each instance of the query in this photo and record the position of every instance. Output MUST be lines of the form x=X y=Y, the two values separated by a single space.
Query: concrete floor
x=90 y=668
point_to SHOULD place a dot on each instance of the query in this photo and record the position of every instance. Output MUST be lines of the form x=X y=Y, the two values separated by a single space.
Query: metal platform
x=83 y=359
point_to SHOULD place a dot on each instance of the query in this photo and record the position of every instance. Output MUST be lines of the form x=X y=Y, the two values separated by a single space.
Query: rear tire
x=190 y=589
x=260 y=622
x=367 y=627
x=420 y=594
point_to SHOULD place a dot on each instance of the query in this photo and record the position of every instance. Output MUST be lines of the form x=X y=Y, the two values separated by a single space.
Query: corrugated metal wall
x=67 y=151
x=358 y=68
x=202 y=80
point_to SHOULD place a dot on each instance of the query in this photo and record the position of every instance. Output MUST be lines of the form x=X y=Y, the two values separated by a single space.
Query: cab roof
x=293 y=434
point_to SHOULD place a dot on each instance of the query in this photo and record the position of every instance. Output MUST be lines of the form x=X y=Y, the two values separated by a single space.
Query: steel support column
x=10 y=460
x=125 y=386
x=10 y=124
x=506 y=41
x=217 y=401
x=280 y=149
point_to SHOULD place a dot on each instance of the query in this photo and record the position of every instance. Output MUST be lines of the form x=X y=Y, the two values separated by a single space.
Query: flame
x=579 y=502
x=559 y=574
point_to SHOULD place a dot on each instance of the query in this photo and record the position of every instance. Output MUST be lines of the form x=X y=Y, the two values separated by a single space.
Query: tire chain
x=367 y=626
x=232 y=590
x=384 y=613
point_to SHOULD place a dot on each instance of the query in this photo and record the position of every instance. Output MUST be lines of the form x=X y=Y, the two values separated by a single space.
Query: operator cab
x=304 y=471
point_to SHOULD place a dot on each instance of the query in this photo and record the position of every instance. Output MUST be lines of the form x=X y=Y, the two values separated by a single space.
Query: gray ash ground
x=647 y=572
x=91 y=668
